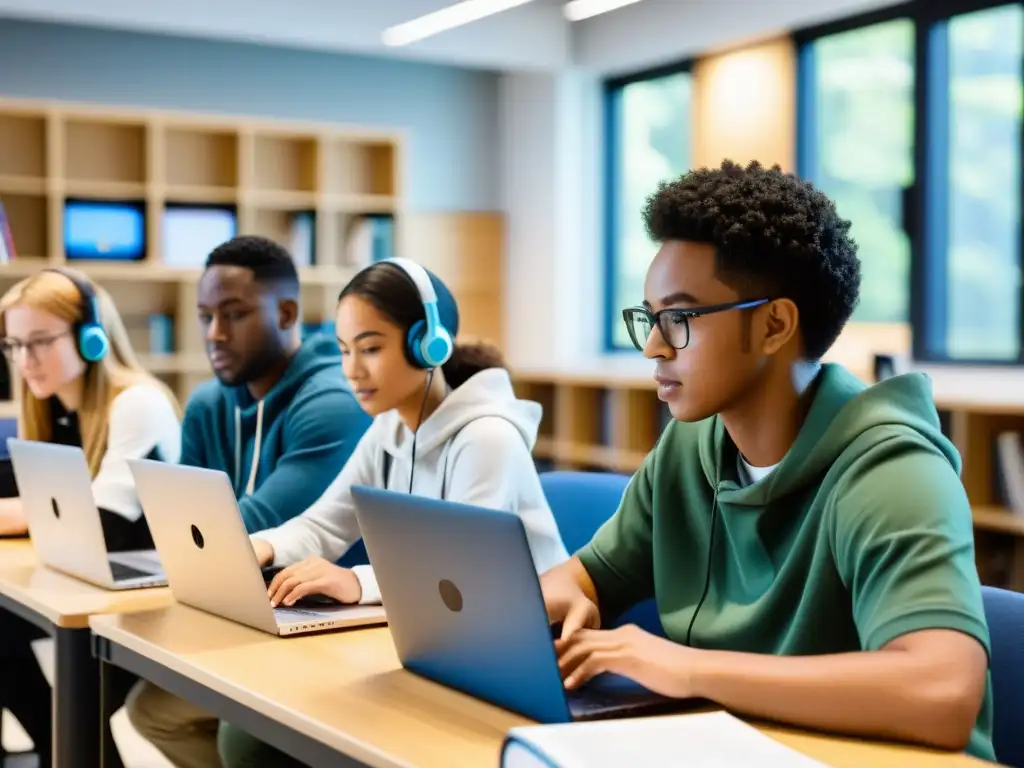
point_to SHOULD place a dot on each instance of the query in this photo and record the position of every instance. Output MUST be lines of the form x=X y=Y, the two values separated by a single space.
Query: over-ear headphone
x=429 y=344
x=92 y=340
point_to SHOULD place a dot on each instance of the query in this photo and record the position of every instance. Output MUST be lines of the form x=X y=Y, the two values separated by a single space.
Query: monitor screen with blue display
x=106 y=231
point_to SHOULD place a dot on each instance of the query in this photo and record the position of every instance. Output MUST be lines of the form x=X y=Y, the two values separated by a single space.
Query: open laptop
x=64 y=523
x=210 y=563
x=465 y=609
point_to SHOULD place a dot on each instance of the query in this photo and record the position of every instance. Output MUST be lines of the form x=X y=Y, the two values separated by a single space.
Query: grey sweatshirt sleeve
x=328 y=527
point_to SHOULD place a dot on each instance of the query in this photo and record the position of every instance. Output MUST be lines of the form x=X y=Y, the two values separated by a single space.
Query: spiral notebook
x=703 y=740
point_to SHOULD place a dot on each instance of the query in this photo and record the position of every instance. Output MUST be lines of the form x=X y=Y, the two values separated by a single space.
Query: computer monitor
x=104 y=230
x=192 y=231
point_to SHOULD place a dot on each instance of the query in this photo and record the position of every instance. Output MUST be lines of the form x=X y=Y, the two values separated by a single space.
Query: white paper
x=703 y=740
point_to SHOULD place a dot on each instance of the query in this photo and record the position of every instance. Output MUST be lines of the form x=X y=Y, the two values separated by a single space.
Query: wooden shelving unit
x=268 y=172
x=609 y=420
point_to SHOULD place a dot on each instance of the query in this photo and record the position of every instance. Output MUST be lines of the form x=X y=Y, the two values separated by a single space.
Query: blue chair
x=356 y=555
x=1004 y=611
x=581 y=502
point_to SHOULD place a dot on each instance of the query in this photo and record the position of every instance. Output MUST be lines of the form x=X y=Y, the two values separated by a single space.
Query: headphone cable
x=419 y=420
x=707 y=575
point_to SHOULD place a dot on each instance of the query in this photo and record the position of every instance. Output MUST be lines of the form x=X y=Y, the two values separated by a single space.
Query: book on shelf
x=370 y=239
x=7 y=252
x=161 y=334
x=699 y=740
x=1010 y=470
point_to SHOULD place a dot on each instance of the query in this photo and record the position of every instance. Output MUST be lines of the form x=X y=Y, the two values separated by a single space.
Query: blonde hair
x=119 y=369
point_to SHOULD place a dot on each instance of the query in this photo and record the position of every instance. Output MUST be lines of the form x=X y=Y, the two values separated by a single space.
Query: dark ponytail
x=468 y=360
x=392 y=293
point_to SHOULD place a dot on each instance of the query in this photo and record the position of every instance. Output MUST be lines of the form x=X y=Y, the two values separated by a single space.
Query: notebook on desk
x=701 y=740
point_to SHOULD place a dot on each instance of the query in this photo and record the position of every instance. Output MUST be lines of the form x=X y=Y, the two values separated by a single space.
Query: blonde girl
x=80 y=384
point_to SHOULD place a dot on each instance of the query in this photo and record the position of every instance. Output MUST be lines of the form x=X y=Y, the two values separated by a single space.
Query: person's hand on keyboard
x=654 y=662
x=264 y=552
x=314 y=576
x=567 y=604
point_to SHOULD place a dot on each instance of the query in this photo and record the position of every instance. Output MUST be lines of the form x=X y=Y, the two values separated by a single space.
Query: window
x=858 y=147
x=974 y=196
x=911 y=120
x=649 y=141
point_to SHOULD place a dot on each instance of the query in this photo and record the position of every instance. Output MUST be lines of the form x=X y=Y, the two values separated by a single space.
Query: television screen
x=191 y=232
x=104 y=230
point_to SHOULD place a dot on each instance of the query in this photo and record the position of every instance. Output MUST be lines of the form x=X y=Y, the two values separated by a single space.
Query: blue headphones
x=93 y=342
x=429 y=344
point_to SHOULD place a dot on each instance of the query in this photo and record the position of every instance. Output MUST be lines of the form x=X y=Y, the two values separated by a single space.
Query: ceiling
x=532 y=36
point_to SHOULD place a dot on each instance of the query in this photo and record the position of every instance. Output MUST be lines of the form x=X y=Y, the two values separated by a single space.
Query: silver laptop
x=56 y=493
x=465 y=609
x=209 y=559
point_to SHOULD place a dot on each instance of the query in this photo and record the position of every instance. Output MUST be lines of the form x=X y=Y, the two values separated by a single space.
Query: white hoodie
x=476 y=447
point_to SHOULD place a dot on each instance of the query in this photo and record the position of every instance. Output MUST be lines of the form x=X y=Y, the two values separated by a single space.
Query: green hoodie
x=861 y=534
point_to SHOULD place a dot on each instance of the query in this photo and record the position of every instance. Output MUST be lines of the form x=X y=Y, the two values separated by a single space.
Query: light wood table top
x=63 y=600
x=16 y=552
x=347 y=690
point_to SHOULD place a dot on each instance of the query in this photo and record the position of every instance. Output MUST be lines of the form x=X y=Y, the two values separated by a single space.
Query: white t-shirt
x=142 y=419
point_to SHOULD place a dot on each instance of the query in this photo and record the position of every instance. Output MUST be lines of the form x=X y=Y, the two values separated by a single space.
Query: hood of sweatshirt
x=846 y=420
x=487 y=393
x=252 y=417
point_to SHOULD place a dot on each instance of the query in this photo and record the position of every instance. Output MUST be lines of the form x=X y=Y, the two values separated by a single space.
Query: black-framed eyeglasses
x=11 y=347
x=673 y=323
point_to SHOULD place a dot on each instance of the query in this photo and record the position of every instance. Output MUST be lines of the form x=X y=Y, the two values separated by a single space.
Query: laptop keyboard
x=592 y=701
x=295 y=614
x=122 y=572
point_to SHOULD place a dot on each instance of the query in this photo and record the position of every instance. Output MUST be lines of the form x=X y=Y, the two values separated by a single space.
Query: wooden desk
x=342 y=699
x=61 y=605
x=16 y=552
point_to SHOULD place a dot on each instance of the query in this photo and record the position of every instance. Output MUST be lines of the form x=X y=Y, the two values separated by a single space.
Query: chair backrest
x=1004 y=611
x=356 y=555
x=581 y=502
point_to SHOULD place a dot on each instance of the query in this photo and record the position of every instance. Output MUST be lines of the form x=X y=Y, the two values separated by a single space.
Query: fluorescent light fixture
x=447 y=18
x=578 y=10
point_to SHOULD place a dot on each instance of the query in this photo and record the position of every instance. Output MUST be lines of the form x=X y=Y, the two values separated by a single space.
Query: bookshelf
x=609 y=419
x=267 y=172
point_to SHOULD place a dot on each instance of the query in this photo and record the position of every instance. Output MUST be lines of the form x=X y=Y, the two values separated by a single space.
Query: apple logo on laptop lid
x=450 y=595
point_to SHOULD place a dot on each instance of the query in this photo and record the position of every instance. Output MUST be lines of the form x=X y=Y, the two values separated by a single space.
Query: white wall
x=550 y=172
x=528 y=117
x=531 y=36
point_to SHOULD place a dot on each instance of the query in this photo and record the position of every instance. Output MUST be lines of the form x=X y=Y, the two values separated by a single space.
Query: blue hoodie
x=283 y=451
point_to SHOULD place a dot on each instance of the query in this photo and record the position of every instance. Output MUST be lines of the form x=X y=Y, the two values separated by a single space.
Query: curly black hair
x=773 y=233
x=269 y=262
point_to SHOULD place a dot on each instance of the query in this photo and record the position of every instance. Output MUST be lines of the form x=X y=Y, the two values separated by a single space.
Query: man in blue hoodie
x=279 y=419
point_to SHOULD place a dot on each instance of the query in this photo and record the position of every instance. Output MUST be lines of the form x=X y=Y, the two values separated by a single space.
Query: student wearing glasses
x=807 y=538
x=81 y=385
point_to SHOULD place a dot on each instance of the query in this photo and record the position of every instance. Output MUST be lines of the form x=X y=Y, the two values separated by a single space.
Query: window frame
x=927 y=233
x=612 y=89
